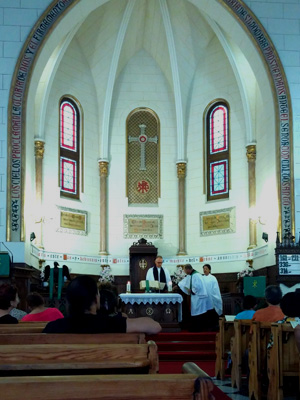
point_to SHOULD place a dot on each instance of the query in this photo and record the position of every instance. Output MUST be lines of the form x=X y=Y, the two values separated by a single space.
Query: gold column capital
x=181 y=170
x=103 y=168
x=39 y=148
x=251 y=152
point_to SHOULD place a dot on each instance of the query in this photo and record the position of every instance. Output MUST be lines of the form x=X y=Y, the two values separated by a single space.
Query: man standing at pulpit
x=159 y=273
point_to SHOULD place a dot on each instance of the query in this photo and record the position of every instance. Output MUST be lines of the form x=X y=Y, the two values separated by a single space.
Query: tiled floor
x=234 y=394
x=231 y=392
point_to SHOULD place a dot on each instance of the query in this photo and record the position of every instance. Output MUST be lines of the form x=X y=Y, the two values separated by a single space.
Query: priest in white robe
x=159 y=273
x=213 y=289
x=203 y=315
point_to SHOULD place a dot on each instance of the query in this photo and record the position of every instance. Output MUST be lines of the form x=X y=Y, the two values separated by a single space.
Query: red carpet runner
x=174 y=349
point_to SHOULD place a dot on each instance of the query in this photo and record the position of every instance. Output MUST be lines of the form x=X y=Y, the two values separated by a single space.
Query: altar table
x=165 y=308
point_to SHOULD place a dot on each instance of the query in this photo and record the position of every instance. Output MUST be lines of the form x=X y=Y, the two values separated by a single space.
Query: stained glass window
x=217 y=151
x=69 y=149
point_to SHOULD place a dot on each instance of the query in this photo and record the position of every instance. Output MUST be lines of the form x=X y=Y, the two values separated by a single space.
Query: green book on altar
x=254 y=286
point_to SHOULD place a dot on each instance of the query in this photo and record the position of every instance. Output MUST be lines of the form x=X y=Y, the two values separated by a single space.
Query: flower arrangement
x=178 y=275
x=106 y=274
x=245 y=272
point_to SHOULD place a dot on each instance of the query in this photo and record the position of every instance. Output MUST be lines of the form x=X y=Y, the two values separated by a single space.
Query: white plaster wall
x=73 y=78
x=135 y=88
x=215 y=80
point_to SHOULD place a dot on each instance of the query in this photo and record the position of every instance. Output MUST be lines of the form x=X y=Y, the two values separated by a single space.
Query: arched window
x=69 y=144
x=217 y=152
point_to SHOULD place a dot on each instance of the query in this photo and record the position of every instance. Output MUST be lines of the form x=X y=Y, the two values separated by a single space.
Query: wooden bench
x=283 y=359
x=73 y=338
x=23 y=327
x=62 y=359
x=223 y=337
x=239 y=346
x=193 y=384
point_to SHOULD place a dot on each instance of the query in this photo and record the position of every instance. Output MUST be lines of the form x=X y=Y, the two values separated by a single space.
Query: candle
x=128 y=287
x=170 y=286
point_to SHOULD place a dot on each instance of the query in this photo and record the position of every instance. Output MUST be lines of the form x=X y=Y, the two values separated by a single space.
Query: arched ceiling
x=97 y=36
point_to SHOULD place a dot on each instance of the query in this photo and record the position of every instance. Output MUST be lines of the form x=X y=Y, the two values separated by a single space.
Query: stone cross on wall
x=143 y=139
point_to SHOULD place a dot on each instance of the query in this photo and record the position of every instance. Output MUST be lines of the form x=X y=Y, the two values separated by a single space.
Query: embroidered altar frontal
x=165 y=308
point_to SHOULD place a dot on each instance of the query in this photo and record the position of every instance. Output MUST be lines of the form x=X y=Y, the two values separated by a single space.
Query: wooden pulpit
x=141 y=255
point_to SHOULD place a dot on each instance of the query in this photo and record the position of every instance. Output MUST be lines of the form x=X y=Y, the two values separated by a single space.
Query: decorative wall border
x=16 y=117
x=144 y=223
x=219 y=215
x=90 y=259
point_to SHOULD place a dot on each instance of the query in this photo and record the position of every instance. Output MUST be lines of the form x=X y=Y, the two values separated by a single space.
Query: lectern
x=142 y=255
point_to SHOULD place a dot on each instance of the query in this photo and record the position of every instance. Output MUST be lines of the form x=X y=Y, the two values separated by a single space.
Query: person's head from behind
x=273 y=295
x=188 y=269
x=290 y=304
x=249 y=302
x=82 y=295
x=108 y=301
x=206 y=269
x=8 y=296
x=34 y=300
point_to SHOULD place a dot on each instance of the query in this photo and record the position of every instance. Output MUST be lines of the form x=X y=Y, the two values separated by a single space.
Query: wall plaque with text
x=217 y=222
x=72 y=221
x=146 y=226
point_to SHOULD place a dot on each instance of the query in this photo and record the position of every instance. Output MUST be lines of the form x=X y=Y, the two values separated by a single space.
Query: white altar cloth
x=156 y=298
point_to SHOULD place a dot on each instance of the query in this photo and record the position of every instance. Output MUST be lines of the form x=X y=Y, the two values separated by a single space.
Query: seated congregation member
x=271 y=313
x=9 y=299
x=213 y=289
x=290 y=306
x=249 y=304
x=83 y=303
x=203 y=315
x=17 y=313
x=38 y=311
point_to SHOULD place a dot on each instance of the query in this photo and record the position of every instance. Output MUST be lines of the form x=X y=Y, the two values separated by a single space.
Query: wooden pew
x=193 y=384
x=23 y=327
x=283 y=359
x=223 y=337
x=72 y=338
x=239 y=346
x=62 y=359
x=258 y=350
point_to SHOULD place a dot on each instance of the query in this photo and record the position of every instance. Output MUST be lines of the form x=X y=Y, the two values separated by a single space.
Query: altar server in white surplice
x=213 y=289
x=159 y=273
x=203 y=315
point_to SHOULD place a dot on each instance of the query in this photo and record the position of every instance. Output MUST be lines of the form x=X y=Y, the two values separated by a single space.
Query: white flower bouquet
x=106 y=274
x=178 y=275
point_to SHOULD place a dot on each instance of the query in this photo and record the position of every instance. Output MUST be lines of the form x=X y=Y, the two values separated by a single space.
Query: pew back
x=239 y=348
x=62 y=358
x=72 y=338
x=193 y=384
x=223 y=338
x=23 y=327
x=283 y=359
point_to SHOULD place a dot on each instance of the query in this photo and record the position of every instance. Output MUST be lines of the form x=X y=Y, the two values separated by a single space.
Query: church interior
x=139 y=128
